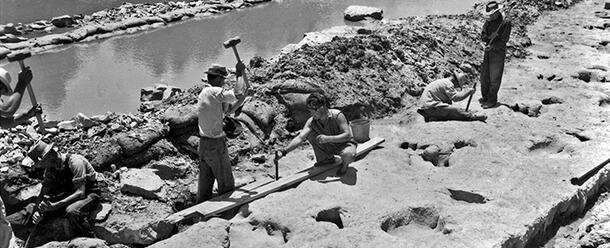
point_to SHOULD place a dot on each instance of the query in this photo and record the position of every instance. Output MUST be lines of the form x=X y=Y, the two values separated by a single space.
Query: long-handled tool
x=232 y=43
x=20 y=56
x=582 y=179
x=470 y=98
x=276 y=159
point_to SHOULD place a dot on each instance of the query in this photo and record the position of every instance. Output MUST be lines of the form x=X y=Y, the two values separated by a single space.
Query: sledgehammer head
x=16 y=56
x=232 y=42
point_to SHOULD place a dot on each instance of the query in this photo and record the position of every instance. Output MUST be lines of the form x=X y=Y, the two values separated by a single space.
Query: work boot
x=482 y=118
x=330 y=161
x=482 y=101
x=490 y=105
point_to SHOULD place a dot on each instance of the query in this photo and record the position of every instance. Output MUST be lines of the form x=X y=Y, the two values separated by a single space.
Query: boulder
x=101 y=212
x=143 y=182
x=127 y=229
x=179 y=117
x=18 y=45
x=168 y=90
x=10 y=38
x=140 y=139
x=62 y=21
x=356 y=13
x=9 y=28
x=102 y=118
x=52 y=39
x=261 y=113
x=170 y=167
x=85 y=121
x=212 y=233
x=151 y=94
x=69 y=125
x=134 y=22
x=157 y=150
x=77 y=243
x=3 y=52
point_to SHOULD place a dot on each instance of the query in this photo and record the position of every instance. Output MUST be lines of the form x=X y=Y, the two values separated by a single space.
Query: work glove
x=26 y=75
x=35 y=110
x=280 y=153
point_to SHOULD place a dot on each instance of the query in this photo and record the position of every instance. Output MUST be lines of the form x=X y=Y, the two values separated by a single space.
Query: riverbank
x=43 y=35
x=378 y=69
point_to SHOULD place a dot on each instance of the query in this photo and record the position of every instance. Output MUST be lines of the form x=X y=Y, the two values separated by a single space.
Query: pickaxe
x=276 y=160
x=470 y=98
x=20 y=56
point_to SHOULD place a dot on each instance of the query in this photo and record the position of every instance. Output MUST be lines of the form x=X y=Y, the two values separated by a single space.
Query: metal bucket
x=360 y=129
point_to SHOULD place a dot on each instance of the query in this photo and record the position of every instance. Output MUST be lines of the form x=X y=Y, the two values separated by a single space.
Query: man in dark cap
x=328 y=132
x=495 y=34
x=8 y=108
x=214 y=102
x=69 y=189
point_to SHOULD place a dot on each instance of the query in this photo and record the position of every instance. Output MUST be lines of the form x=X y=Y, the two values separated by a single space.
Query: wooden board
x=258 y=190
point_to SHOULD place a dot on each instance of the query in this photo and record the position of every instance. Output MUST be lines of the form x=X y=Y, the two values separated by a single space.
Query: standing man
x=69 y=189
x=8 y=118
x=214 y=101
x=328 y=133
x=438 y=96
x=495 y=34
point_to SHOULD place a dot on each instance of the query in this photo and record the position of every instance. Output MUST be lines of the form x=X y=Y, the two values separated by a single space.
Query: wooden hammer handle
x=34 y=102
x=236 y=54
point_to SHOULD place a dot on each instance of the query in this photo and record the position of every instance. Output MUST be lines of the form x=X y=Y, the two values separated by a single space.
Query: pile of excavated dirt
x=505 y=180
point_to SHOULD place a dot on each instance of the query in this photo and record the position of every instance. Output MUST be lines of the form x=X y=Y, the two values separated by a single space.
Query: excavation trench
x=564 y=213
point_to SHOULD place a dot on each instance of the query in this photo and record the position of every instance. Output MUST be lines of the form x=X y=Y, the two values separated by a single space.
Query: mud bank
x=507 y=180
x=126 y=19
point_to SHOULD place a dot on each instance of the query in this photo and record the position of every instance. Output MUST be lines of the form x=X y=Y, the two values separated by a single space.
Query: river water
x=107 y=75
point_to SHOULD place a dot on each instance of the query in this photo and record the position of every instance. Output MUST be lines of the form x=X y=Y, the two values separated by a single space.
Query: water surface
x=107 y=75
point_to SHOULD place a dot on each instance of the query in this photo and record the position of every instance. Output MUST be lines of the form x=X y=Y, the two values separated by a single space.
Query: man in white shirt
x=436 y=100
x=214 y=101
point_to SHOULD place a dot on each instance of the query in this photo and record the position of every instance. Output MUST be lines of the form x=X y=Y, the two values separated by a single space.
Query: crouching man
x=438 y=96
x=69 y=189
x=328 y=133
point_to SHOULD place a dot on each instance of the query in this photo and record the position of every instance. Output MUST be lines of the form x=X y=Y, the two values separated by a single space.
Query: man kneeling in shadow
x=436 y=100
x=328 y=133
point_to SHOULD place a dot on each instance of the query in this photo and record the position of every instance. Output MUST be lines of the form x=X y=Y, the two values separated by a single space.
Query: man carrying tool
x=495 y=34
x=328 y=133
x=8 y=118
x=213 y=102
x=435 y=102
x=69 y=189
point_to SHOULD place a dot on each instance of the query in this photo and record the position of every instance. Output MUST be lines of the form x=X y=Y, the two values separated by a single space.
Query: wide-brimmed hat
x=491 y=8
x=39 y=151
x=5 y=81
x=217 y=70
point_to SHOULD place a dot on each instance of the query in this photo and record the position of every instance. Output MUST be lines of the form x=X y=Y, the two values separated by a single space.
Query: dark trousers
x=447 y=113
x=491 y=74
x=326 y=152
x=214 y=164
x=77 y=214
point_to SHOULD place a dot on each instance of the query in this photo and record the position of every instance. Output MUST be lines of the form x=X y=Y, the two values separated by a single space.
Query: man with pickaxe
x=8 y=107
x=495 y=34
x=214 y=102
x=437 y=99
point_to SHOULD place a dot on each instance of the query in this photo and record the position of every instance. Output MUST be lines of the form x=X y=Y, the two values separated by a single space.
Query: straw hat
x=491 y=8
x=5 y=81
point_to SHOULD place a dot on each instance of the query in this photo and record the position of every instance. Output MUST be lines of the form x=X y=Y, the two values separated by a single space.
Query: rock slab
x=356 y=13
x=142 y=182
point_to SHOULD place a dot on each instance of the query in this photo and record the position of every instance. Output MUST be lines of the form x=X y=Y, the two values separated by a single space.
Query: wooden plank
x=258 y=190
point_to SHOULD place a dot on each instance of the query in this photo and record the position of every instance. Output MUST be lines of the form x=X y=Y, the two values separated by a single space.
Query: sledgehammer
x=20 y=57
x=232 y=43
